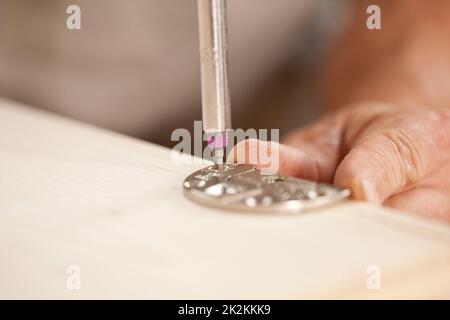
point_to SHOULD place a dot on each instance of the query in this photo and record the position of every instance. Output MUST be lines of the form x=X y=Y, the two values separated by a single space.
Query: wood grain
x=73 y=194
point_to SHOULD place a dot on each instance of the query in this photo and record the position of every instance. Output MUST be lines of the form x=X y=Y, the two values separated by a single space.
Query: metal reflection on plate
x=242 y=188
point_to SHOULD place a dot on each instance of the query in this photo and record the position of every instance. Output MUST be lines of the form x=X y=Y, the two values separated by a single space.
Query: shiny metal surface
x=214 y=70
x=243 y=188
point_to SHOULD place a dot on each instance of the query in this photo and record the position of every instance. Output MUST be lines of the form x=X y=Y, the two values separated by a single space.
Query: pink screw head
x=219 y=141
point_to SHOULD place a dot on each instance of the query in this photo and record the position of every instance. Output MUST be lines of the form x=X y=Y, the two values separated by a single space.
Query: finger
x=321 y=145
x=430 y=198
x=423 y=201
x=291 y=161
x=310 y=153
x=388 y=160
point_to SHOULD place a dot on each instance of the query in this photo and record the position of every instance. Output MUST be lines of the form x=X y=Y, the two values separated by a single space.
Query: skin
x=386 y=134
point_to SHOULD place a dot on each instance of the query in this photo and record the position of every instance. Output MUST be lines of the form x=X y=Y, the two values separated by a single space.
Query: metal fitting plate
x=241 y=187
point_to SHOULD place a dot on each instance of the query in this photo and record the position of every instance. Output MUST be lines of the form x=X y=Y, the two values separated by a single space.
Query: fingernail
x=369 y=192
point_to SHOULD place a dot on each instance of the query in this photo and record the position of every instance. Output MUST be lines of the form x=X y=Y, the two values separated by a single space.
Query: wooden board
x=76 y=195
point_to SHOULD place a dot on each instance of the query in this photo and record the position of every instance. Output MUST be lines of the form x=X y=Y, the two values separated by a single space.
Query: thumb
x=391 y=159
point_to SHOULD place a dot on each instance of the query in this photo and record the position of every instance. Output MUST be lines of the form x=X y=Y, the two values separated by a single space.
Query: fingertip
x=365 y=190
x=288 y=160
x=248 y=151
x=297 y=163
x=356 y=174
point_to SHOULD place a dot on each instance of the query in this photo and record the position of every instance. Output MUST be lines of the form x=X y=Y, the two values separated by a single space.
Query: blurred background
x=134 y=65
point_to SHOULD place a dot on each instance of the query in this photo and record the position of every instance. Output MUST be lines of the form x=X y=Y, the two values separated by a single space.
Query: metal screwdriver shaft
x=216 y=112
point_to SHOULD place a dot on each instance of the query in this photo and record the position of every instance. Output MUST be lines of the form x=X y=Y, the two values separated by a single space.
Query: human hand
x=386 y=155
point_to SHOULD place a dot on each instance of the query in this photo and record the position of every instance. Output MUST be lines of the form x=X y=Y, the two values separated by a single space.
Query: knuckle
x=405 y=150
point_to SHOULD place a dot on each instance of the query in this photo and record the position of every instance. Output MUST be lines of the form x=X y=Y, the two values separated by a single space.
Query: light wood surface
x=72 y=194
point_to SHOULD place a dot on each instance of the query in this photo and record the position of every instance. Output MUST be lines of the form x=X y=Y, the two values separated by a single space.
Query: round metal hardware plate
x=242 y=188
